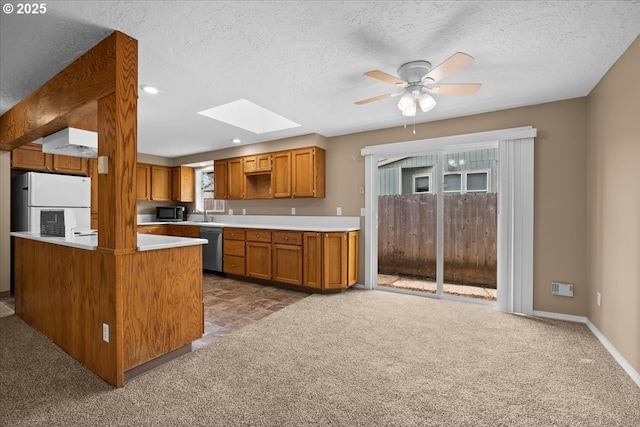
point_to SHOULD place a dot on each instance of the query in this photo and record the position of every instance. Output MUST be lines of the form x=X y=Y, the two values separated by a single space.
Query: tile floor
x=230 y=304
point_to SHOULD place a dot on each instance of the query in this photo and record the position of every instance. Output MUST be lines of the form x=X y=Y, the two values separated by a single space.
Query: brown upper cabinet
x=308 y=172
x=143 y=181
x=153 y=182
x=31 y=157
x=283 y=174
x=161 y=183
x=183 y=184
x=220 y=178
x=260 y=163
x=235 y=178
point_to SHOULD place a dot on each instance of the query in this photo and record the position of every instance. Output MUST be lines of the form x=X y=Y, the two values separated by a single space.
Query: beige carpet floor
x=360 y=358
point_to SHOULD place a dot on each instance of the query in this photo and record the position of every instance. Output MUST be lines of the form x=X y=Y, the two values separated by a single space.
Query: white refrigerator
x=33 y=192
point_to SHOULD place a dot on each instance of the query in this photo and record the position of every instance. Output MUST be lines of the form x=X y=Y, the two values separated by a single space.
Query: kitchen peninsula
x=113 y=306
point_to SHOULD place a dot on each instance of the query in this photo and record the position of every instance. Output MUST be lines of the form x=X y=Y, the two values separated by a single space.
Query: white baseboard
x=560 y=316
x=635 y=376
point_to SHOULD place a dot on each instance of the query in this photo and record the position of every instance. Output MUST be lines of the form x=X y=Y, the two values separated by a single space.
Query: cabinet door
x=250 y=164
x=258 y=260
x=183 y=184
x=287 y=263
x=236 y=179
x=220 y=179
x=352 y=259
x=160 y=183
x=143 y=182
x=335 y=261
x=302 y=173
x=281 y=175
x=263 y=162
x=71 y=165
x=312 y=262
x=93 y=175
x=31 y=157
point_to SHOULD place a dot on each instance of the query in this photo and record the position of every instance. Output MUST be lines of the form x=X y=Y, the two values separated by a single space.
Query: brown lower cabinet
x=319 y=261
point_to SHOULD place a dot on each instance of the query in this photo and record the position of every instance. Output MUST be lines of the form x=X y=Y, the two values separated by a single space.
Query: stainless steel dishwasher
x=212 y=251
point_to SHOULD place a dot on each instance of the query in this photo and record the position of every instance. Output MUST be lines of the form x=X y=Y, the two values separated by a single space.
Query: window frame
x=477 y=171
x=422 y=175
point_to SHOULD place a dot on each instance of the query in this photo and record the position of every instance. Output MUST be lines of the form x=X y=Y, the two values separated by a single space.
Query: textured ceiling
x=304 y=59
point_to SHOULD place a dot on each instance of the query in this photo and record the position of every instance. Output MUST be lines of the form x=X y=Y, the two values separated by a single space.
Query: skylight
x=249 y=116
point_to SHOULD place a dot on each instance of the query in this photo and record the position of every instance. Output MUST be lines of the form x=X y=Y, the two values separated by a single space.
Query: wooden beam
x=68 y=97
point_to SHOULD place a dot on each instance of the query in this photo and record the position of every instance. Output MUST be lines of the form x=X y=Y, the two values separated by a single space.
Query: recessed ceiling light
x=149 y=89
x=249 y=116
x=236 y=140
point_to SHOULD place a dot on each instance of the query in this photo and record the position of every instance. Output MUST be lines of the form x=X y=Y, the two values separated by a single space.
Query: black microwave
x=171 y=213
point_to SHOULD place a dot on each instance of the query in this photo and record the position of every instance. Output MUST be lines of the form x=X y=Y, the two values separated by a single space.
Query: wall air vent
x=562 y=289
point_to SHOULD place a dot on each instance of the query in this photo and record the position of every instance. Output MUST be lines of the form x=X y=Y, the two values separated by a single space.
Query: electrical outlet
x=244 y=211
x=293 y=211
x=230 y=211
x=338 y=211
x=598 y=298
x=363 y=211
x=105 y=332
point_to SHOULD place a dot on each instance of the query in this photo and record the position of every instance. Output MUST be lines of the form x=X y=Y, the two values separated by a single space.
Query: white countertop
x=322 y=224
x=315 y=228
x=146 y=242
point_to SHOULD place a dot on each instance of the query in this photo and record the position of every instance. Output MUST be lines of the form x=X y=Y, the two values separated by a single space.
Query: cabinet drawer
x=259 y=236
x=233 y=247
x=190 y=230
x=152 y=229
x=233 y=265
x=288 y=237
x=174 y=230
x=234 y=234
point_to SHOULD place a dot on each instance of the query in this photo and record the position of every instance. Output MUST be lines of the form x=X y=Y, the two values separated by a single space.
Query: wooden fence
x=407 y=237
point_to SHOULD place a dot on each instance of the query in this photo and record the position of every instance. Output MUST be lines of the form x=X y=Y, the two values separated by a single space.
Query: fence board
x=407 y=241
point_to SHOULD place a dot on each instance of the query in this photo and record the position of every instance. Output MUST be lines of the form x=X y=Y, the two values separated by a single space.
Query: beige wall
x=613 y=207
x=560 y=186
x=5 y=221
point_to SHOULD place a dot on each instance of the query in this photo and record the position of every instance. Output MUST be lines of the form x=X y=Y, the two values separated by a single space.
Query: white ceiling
x=304 y=59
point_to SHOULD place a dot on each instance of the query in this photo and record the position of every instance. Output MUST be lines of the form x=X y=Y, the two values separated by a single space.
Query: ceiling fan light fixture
x=407 y=103
x=411 y=111
x=426 y=102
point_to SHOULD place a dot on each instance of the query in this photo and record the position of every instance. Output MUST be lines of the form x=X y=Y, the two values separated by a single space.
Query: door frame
x=515 y=207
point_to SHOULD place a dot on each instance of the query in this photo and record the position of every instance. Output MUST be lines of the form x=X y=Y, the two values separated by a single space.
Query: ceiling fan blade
x=457 y=89
x=455 y=62
x=387 y=78
x=376 y=98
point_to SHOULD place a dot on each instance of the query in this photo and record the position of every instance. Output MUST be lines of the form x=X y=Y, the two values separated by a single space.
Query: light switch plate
x=103 y=165
x=363 y=211
x=338 y=211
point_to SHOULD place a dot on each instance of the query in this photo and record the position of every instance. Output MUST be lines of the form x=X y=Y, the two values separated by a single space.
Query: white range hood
x=71 y=142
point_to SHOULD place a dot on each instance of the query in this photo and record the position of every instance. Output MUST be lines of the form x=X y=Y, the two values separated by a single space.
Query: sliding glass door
x=437 y=223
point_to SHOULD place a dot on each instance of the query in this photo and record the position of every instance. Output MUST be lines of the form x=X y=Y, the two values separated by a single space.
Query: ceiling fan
x=420 y=81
